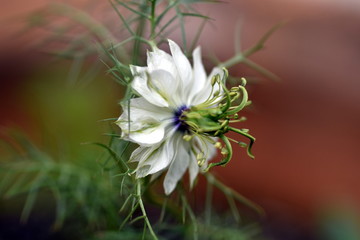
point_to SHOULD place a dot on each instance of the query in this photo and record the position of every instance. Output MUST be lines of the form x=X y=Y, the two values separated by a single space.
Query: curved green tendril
x=228 y=157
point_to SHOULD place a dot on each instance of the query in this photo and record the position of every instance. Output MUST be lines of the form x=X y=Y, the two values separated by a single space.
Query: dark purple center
x=179 y=121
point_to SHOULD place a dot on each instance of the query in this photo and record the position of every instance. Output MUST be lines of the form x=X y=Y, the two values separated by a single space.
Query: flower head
x=178 y=115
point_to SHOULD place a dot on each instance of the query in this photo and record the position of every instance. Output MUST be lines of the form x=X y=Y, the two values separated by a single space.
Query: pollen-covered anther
x=243 y=82
x=242 y=119
x=187 y=137
x=242 y=144
x=218 y=145
x=200 y=159
x=224 y=151
x=232 y=94
x=213 y=80
x=216 y=93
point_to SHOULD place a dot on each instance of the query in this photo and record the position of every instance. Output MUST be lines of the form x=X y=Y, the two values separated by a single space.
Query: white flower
x=168 y=88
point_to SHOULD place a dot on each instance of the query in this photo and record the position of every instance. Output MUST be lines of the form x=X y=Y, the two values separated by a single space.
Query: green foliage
x=74 y=187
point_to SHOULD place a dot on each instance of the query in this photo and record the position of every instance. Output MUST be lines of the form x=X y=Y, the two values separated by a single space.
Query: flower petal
x=166 y=86
x=149 y=135
x=137 y=70
x=214 y=72
x=156 y=175
x=160 y=60
x=204 y=93
x=182 y=65
x=140 y=85
x=193 y=169
x=147 y=122
x=199 y=77
x=140 y=107
x=153 y=159
x=164 y=157
x=140 y=155
x=178 y=166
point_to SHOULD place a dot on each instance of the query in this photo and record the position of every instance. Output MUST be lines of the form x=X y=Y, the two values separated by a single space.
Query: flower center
x=179 y=120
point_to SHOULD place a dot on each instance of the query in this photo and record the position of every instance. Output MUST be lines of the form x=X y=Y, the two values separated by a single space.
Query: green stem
x=241 y=57
x=208 y=201
x=230 y=192
x=153 y=19
x=142 y=207
x=261 y=70
x=139 y=33
x=134 y=207
x=238 y=58
x=233 y=208
x=191 y=215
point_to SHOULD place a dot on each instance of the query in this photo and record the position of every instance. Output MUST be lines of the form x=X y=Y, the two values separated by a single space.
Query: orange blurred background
x=307 y=125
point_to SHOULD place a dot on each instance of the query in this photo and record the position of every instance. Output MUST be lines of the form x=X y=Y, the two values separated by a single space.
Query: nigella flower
x=177 y=116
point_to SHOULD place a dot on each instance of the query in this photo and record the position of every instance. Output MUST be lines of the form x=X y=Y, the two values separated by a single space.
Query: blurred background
x=306 y=171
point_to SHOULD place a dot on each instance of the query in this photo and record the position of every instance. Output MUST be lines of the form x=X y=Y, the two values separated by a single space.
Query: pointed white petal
x=155 y=159
x=199 y=77
x=142 y=171
x=164 y=157
x=204 y=93
x=146 y=123
x=178 y=166
x=141 y=155
x=138 y=153
x=166 y=86
x=160 y=60
x=148 y=136
x=136 y=70
x=141 y=86
x=182 y=64
x=140 y=107
x=193 y=169
x=199 y=70
x=214 y=72
x=156 y=175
